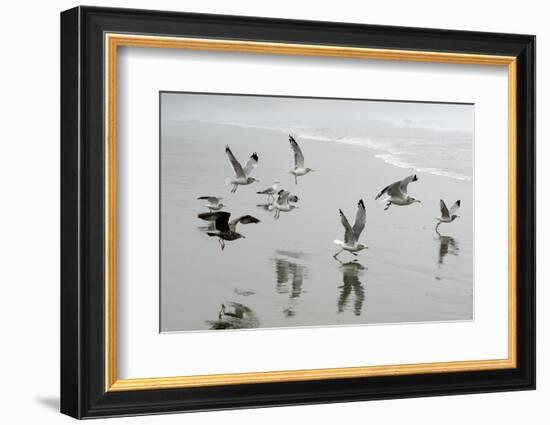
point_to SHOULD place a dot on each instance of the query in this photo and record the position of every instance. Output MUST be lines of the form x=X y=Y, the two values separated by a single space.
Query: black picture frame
x=83 y=392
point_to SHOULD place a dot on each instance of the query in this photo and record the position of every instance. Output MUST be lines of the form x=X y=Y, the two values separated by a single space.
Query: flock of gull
x=281 y=200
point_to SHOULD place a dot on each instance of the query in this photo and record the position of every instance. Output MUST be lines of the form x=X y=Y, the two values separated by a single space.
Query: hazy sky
x=276 y=111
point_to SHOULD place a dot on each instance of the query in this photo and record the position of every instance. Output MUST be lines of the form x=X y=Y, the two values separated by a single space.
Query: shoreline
x=378 y=153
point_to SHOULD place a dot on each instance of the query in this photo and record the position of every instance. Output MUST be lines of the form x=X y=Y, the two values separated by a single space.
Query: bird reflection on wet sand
x=288 y=272
x=234 y=315
x=351 y=273
x=290 y=279
x=447 y=245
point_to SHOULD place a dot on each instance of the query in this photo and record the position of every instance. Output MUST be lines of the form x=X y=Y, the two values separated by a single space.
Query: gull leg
x=338 y=253
x=387 y=206
x=234 y=188
x=296 y=178
x=354 y=253
x=223 y=244
x=436 y=228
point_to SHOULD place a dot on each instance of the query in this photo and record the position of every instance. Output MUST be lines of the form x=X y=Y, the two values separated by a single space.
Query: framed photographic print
x=261 y=212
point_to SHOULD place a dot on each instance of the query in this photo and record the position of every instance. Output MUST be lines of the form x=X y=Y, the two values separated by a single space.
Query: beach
x=284 y=271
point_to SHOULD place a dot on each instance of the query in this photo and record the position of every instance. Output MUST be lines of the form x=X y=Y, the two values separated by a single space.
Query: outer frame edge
x=102 y=406
x=70 y=349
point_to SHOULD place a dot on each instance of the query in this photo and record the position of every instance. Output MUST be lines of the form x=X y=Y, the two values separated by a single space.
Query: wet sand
x=284 y=272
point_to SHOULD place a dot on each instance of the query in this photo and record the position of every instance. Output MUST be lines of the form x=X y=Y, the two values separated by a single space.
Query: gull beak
x=242 y=236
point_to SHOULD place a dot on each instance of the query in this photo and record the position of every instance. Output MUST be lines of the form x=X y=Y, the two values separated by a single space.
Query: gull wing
x=298 y=155
x=251 y=163
x=444 y=210
x=208 y=216
x=405 y=182
x=399 y=188
x=239 y=172
x=454 y=209
x=390 y=190
x=360 y=220
x=283 y=197
x=244 y=219
x=222 y=220
x=348 y=235
x=211 y=199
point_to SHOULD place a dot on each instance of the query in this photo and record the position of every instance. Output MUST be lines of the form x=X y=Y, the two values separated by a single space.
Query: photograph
x=289 y=212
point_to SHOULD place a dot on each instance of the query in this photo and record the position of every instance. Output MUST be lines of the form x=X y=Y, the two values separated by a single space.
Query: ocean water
x=439 y=152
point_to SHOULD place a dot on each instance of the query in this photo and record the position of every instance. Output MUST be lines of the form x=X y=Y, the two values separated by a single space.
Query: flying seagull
x=299 y=168
x=270 y=191
x=397 y=193
x=241 y=174
x=225 y=229
x=214 y=203
x=447 y=216
x=351 y=235
x=283 y=203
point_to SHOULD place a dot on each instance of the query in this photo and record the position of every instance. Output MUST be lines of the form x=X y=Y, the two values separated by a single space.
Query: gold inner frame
x=113 y=41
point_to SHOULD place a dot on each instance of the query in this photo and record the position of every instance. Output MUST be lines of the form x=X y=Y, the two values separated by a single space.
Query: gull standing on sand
x=227 y=230
x=283 y=203
x=270 y=191
x=447 y=216
x=397 y=193
x=241 y=174
x=351 y=235
x=299 y=168
x=214 y=203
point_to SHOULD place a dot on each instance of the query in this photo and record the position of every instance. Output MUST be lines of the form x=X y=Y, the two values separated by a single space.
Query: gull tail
x=337 y=242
